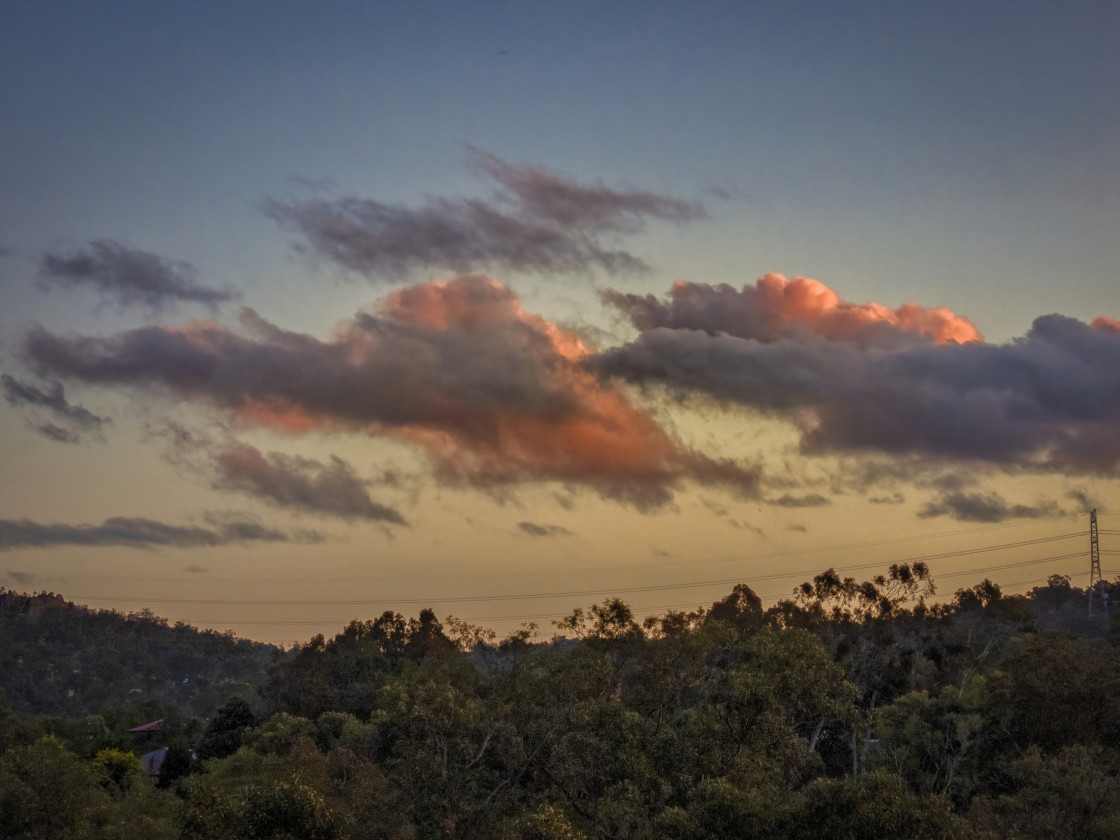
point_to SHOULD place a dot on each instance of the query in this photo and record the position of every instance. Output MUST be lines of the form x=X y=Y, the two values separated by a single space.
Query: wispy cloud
x=57 y=433
x=892 y=499
x=136 y=532
x=809 y=500
x=127 y=276
x=1085 y=502
x=492 y=393
x=535 y=530
x=288 y=481
x=537 y=220
x=985 y=507
x=31 y=578
x=541 y=193
x=73 y=420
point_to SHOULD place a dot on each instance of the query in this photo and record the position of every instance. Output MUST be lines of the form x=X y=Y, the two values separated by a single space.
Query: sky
x=312 y=311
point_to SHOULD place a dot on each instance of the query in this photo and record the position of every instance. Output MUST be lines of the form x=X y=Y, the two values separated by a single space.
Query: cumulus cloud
x=128 y=276
x=775 y=308
x=985 y=507
x=135 y=532
x=1103 y=323
x=537 y=220
x=1050 y=400
x=289 y=481
x=492 y=393
x=535 y=530
x=73 y=420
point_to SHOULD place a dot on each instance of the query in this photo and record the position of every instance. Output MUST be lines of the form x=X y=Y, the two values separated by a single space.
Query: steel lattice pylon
x=1095 y=576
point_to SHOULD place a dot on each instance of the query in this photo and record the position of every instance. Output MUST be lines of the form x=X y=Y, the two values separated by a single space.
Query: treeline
x=60 y=658
x=852 y=709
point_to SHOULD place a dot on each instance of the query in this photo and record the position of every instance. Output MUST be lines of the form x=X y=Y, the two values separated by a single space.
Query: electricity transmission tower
x=1095 y=562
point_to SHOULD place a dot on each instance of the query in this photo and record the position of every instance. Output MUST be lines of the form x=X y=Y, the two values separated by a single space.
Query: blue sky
x=956 y=155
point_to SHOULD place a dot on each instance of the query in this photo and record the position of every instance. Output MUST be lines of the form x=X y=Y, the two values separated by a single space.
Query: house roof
x=154 y=726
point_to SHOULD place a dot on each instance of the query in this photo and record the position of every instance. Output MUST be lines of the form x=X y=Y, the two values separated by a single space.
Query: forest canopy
x=851 y=709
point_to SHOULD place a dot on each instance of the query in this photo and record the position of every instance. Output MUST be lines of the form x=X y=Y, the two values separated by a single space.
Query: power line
x=764 y=597
x=730 y=558
x=579 y=593
x=638 y=611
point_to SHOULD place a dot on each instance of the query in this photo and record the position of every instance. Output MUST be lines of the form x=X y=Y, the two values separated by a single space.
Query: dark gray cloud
x=535 y=530
x=54 y=399
x=806 y=501
x=57 y=433
x=494 y=395
x=128 y=277
x=892 y=499
x=73 y=420
x=135 y=532
x=289 y=481
x=1085 y=502
x=537 y=220
x=300 y=483
x=1050 y=400
x=985 y=507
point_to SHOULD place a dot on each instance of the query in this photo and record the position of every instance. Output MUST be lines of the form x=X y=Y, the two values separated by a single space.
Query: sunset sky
x=310 y=311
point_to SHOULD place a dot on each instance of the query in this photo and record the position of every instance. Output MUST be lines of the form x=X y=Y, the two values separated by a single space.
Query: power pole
x=1095 y=576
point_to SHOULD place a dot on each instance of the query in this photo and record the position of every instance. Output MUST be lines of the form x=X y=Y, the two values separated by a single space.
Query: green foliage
x=284 y=809
x=611 y=620
x=59 y=658
x=1072 y=795
x=46 y=792
x=177 y=763
x=854 y=710
x=928 y=742
x=281 y=733
x=878 y=804
x=226 y=730
x=546 y=822
x=116 y=770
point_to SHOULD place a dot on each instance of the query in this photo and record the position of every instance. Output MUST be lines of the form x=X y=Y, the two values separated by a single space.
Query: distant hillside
x=61 y=658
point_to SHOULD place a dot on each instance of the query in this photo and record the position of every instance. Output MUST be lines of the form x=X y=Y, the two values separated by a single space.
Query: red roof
x=154 y=726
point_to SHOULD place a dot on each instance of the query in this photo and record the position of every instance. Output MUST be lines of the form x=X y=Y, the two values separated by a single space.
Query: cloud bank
x=1050 y=400
x=128 y=277
x=985 y=507
x=537 y=220
x=493 y=394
